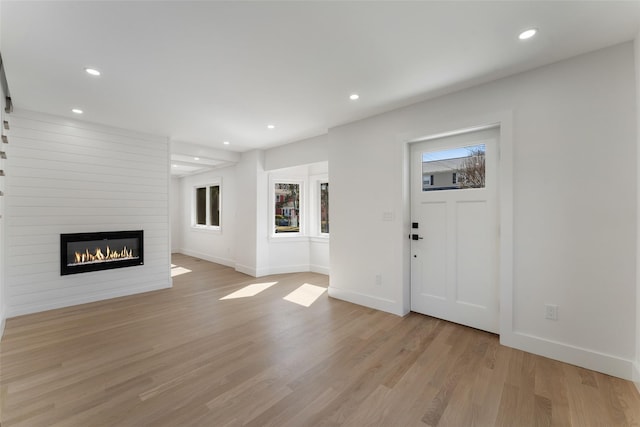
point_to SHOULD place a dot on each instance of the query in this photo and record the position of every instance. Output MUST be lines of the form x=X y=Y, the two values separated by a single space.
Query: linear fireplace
x=83 y=252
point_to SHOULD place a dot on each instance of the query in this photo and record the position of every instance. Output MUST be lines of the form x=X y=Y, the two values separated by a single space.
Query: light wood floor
x=185 y=357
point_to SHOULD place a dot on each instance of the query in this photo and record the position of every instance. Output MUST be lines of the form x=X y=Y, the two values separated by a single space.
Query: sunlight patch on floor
x=176 y=270
x=249 y=290
x=305 y=295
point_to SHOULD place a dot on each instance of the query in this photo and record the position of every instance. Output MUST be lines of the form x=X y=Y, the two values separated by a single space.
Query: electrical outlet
x=551 y=311
x=378 y=279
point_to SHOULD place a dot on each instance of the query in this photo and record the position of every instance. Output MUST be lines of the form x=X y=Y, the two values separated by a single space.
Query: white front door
x=454 y=215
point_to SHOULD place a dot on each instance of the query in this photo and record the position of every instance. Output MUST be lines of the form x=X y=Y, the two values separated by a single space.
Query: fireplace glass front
x=83 y=252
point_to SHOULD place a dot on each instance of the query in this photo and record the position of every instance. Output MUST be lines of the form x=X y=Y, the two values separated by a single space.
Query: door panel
x=454 y=201
x=432 y=251
x=472 y=257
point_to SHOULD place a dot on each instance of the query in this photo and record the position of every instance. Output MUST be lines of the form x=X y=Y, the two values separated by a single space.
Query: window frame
x=194 y=206
x=320 y=232
x=302 y=215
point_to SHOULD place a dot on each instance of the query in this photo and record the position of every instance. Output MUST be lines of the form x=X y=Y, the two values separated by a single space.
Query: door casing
x=503 y=120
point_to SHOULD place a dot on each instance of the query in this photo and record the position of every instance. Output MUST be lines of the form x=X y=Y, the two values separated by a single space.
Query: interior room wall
x=70 y=176
x=309 y=252
x=246 y=191
x=250 y=241
x=176 y=203
x=636 y=376
x=211 y=245
x=574 y=223
x=307 y=151
x=306 y=159
x=288 y=254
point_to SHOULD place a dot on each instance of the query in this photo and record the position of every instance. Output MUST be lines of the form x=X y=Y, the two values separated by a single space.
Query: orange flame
x=97 y=255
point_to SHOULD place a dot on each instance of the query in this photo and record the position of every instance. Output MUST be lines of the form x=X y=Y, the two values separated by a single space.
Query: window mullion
x=208 y=205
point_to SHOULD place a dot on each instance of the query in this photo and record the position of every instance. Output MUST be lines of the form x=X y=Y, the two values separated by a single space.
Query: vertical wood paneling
x=72 y=177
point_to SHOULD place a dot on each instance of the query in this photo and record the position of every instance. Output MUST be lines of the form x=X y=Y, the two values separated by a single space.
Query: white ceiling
x=207 y=72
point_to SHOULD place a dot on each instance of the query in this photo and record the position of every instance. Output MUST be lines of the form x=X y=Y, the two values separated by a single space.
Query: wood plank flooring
x=184 y=356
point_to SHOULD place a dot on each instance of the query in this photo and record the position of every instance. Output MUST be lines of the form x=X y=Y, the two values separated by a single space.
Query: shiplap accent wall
x=3 y=190
x=74 y=177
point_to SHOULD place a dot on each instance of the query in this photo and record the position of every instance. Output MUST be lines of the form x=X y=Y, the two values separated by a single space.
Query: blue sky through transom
x=454 y=153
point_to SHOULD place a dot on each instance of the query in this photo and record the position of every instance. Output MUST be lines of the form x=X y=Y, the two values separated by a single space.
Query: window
x=214 y=205
x=201 y=206
x=324 y=208
x=207 y=207
x=454 y=169
x=287 y=213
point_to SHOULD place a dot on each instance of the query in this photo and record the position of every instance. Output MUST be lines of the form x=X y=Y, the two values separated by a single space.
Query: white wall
x=306 y=159
x=574 y=225
x=68 y=177
x=251 y=179
x=215 y=246
x=307 y=151
x=242 y=240
x=245 y=240
x=3 y=234
x=176 y=203
x=636 y=376
x=287 y=253
x=308 y=252
x=256 y=254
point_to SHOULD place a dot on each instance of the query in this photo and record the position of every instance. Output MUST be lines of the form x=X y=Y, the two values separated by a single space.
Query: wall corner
x=636 y=365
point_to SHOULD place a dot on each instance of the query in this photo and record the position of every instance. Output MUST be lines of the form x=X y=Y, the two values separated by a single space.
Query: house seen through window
x=454 y=169
x=324 y=208
x=287 y=208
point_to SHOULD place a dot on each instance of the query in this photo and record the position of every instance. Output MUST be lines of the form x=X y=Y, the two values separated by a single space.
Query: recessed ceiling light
x=175 y=166
x=270 y=127
x=77 y=111
x=92 y=71
x=196 y=158
x=354 y=96
x=527 y=34
x=225 y=142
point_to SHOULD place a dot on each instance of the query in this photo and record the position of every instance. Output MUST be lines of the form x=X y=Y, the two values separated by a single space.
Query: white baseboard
x=256 y=271
x=319 y=269
x=283 y=269
x=377 y=303
x=286 y=269
x=636 y=375
x=251 y=271
x=601 y=362
x=29 y=309
x=207 y=257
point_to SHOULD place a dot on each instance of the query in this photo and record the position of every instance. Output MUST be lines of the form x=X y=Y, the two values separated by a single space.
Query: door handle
x=416 y=237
